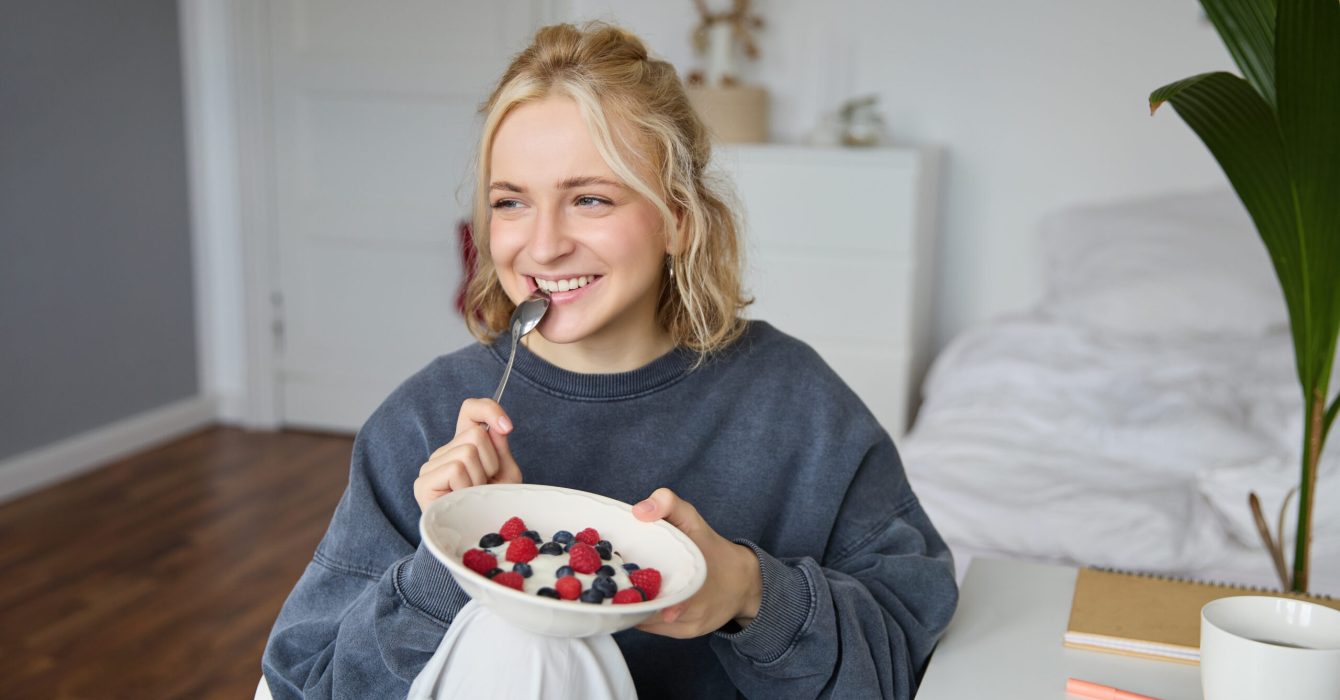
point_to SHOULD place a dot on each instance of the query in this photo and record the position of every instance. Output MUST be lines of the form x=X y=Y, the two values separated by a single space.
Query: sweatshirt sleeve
x=373 y=604
x=861 y=623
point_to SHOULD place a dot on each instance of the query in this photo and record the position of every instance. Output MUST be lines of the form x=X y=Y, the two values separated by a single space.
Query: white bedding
x=1045 y=437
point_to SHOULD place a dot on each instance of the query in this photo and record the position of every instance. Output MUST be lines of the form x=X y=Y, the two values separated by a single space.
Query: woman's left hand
x=734 y=585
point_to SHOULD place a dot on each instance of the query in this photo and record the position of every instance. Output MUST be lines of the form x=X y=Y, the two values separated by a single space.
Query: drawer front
x=816 y=200
x=836 y=298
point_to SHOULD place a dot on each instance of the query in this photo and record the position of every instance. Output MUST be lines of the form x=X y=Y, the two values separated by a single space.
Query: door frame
x=226 y=72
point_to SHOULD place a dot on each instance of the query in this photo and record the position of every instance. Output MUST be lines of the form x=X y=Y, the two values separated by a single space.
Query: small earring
x=670 y=265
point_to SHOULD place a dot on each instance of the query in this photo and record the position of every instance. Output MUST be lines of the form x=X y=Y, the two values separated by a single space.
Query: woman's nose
x=549 y=240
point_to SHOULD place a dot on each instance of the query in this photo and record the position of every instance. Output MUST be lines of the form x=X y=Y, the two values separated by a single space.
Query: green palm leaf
x=1241 y=131
x=1248 y=30
x=1308 y=80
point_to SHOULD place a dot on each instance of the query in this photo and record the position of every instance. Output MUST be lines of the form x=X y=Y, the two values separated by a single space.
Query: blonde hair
x=641 y=122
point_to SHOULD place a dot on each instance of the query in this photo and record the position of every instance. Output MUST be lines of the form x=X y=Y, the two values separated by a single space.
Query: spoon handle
x=511 y=357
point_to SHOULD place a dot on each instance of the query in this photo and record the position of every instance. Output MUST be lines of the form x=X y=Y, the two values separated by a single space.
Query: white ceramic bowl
x=453 y=524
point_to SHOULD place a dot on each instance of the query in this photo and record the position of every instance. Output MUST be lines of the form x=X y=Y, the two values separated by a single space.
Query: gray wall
x=96 y=315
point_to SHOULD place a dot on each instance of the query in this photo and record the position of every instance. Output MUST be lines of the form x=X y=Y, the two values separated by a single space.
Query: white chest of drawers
x=840 y=246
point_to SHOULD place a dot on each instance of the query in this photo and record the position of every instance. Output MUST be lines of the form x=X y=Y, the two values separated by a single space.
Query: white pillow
x=1172 y=265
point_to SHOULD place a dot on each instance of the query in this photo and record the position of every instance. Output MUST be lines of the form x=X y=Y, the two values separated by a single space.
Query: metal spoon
x=524 y=320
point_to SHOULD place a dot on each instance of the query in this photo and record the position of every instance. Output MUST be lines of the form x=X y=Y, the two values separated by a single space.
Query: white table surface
x=1005 y=643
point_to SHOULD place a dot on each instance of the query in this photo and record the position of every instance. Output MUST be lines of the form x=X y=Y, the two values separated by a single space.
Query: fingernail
x=504 y=424
x=646 y=506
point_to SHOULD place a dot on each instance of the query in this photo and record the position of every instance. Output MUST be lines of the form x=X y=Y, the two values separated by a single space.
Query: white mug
x=1262 y=647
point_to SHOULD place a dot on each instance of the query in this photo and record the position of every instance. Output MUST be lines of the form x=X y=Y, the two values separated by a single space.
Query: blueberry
x=603 y=550
x=563 y=537
x=592 y=595
x=494 y=572
x=631 y=567
x=553 y=548
x=606 y=586
x=564 y=571
x=606 y=544
x=492 y=539
x=533 y=535
x=605 y=571
x=548 y=593
x=523 y=569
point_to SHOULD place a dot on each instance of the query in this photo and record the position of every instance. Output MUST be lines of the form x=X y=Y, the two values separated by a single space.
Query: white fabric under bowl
x=454 y=523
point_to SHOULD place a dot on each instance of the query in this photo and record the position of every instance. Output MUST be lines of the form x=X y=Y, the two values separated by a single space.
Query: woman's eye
x=506 y=204
x=589 y=201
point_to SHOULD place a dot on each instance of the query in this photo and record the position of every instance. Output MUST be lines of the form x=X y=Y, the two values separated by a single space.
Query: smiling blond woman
x=642 y=383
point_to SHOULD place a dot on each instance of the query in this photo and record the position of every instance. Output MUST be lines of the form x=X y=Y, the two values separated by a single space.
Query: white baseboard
x=231 y=409
x=87 y=451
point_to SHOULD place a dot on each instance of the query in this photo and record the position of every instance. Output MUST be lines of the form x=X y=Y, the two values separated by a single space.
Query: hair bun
x=565 y=46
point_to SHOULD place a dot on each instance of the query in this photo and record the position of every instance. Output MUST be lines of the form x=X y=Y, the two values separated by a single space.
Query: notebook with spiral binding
x=1149 y=616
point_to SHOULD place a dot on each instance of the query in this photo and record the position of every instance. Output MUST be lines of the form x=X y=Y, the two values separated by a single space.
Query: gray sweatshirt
x=763 y=439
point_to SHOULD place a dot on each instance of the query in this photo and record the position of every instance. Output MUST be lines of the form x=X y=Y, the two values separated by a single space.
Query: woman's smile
x=564 y=289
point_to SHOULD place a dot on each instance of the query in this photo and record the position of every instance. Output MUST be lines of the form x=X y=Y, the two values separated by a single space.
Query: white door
x=373 y=107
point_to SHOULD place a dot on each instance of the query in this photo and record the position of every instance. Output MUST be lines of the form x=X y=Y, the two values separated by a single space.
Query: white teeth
x=564 y=285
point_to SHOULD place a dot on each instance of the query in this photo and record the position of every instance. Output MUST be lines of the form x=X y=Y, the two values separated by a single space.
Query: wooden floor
x=159 y=576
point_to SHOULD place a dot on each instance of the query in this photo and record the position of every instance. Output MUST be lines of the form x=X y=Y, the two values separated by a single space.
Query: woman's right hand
x=474 y=457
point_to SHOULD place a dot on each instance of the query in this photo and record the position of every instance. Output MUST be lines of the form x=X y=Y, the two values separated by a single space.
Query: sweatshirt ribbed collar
x=654 y=376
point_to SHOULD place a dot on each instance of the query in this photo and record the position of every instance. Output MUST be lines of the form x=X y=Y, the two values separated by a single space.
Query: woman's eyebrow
x=571 y=183
x=586 y=181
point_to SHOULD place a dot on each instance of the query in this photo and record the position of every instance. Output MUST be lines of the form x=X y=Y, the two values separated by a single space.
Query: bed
x=1123 y=420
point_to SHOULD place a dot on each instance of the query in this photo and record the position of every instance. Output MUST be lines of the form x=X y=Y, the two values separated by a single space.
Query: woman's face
x=562 y=220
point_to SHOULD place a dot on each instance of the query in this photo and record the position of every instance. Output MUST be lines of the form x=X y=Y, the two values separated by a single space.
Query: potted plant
x=1276 y=134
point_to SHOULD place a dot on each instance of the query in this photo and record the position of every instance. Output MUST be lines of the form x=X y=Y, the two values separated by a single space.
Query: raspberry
x=512 y=529
x=628 y=595
x=588 y=536
x=583 y=558
x=510 y=579
x=479 y=561
x=568 y=587
x=649 y=580
x=521 y=549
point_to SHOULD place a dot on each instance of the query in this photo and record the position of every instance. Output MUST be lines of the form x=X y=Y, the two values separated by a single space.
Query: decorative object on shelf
x=1274 y=135
x=862 y=123
x=856 y=123
x=733 y=111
